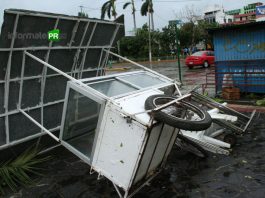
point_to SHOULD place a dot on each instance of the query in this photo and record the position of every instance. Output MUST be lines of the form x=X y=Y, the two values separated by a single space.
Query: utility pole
x=149 y=35
x=81 y=7
x=175 y=24
x=178 y=53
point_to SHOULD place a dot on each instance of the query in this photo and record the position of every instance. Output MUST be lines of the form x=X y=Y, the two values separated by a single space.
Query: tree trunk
x=149 y=35
x=114 y=13
x=152 y=20
x=134 y=18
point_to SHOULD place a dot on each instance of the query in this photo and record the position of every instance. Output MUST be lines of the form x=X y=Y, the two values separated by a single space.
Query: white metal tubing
x=74 y=32
x=49 y=149
x=53 y=48
x=31 y=108
x=77 y=54
x=128 y=83
x=138 y=65
x=177 y=88
x=7 y=78
x=13 y=143
x=67 y=76
x=83 y=36
x=88 y=80
x=105 y=61
x=85 y=52
x=51 y=67
x=117 y=190
x=61 y=17
x=99 y=62
x=111 y=43
x=44 y=73
x=171 y=102
x=217 y=133
x=39 y=125
x=40 y=76
x=21 y=80
x=215 y=142
x=250 y=120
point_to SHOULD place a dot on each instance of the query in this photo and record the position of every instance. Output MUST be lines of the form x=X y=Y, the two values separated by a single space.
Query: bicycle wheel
x=171 y=115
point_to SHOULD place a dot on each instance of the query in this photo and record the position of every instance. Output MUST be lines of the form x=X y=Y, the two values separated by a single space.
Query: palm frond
x=144 y=8
x=109 y=11
x=104 y=9
x=126 y=5
x=17 y=172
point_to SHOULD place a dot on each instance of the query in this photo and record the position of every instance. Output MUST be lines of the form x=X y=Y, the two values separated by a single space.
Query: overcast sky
x=165 y=10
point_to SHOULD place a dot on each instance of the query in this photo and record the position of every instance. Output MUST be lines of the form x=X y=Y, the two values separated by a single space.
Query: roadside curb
x=153 y=62
x=246 y=108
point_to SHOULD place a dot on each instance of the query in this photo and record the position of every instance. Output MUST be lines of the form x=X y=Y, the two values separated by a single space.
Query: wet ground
x=190 y=77
x=242 y=174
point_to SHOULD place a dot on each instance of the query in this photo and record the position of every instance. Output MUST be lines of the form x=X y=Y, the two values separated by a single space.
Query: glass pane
x=112 y=88
x=143 y=80
x=81 y=122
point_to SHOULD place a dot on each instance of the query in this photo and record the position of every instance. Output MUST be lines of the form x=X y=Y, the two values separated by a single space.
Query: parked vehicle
x=201 y=58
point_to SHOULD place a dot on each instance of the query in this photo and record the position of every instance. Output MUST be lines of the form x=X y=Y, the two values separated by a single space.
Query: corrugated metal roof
x=231 y=27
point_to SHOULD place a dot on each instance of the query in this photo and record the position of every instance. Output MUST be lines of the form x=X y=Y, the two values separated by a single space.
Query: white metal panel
x=119 y=147
x=148 y=153
x=161 y=147
x=135 y=103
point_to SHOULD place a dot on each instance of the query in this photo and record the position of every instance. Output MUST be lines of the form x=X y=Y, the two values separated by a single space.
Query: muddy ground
x=242 y=174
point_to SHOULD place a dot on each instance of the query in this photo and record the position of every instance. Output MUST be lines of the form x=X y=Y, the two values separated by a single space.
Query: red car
x=201 y=58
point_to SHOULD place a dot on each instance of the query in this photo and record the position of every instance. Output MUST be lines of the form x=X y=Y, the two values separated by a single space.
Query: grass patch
x=261 y=102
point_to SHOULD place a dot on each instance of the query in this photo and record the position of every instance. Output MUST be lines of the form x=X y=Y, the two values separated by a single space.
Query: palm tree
x=109 y=8
x=147 y=7
x=19 y=170
x=133 y=11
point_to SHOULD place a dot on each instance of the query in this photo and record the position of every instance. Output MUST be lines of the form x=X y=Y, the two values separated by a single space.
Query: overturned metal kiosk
x=123 y=125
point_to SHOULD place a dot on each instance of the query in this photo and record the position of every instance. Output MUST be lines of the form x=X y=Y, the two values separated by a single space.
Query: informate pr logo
x=53 y=35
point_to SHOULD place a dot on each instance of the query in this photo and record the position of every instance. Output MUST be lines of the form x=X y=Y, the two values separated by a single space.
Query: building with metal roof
x=240 y=52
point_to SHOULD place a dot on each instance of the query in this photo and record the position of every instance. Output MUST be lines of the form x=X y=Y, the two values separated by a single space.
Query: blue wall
x=240 y=44
x=241 y=52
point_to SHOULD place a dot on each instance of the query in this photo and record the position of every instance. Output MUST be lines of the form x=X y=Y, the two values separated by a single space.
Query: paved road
x=190 y=77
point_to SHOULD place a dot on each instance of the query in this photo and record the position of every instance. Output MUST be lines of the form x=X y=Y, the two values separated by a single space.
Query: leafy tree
x=133 y=11
x=137 y=46
x=82 y=14
x=163 y=42
x=168 y=39
x=109 y=8
x=203 y=27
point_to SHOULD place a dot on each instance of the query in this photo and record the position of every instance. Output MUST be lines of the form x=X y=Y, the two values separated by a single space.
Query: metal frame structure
x=76 y=71
x=248 y=75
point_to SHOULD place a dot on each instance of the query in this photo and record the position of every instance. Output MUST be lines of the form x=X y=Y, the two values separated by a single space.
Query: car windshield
x=198 y=54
